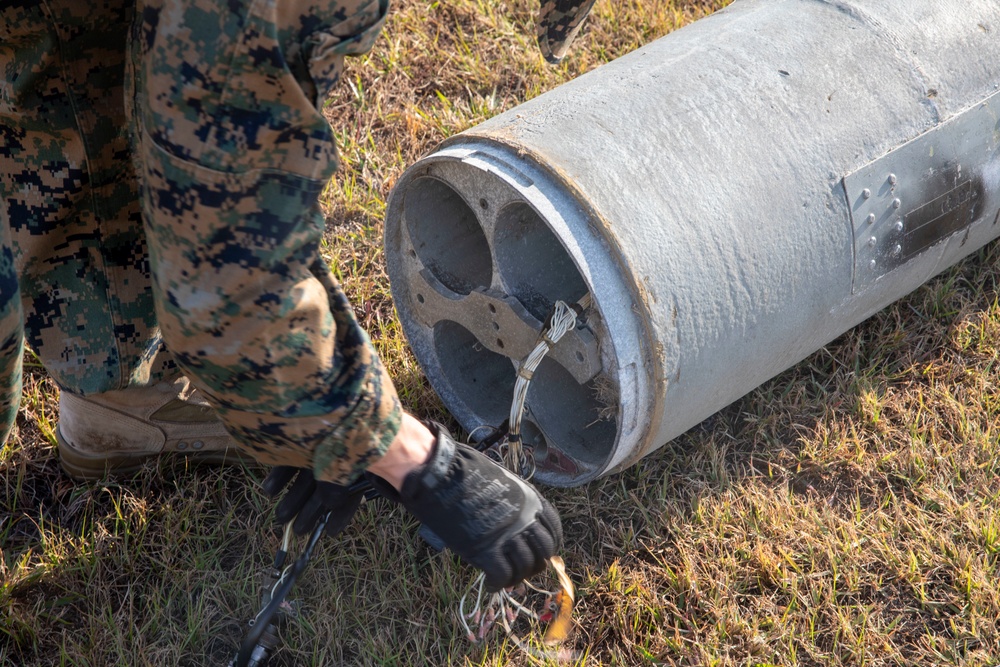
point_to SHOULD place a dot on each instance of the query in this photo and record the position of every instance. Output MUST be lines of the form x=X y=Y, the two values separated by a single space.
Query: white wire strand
x=513 y=455
x=286 y=540
x=562 y=321
x=286 y=543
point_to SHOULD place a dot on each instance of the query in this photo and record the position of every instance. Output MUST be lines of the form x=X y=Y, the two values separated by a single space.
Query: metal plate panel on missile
x=923 y=192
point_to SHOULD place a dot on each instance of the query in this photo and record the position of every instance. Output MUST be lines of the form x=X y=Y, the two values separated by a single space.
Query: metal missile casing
x=733 y=196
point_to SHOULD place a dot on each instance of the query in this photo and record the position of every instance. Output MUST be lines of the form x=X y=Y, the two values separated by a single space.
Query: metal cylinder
x=733 y=196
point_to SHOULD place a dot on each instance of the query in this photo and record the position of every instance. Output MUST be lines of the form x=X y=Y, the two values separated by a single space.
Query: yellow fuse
x=558 y=629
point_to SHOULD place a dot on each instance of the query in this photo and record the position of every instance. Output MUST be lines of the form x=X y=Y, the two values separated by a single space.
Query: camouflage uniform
x=559 y=22
x=212 y=266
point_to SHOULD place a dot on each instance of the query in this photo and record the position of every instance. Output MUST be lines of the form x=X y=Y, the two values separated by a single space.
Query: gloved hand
x=307 y=500
x=487 y=515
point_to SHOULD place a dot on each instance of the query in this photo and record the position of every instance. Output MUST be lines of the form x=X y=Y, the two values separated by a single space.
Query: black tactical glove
x=307 y=500
x=487 y=515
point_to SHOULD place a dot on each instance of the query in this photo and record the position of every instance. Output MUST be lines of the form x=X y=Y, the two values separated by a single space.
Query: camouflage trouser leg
x=11 y=335
x=232 y=155
x=69 y=200
x=235 y=155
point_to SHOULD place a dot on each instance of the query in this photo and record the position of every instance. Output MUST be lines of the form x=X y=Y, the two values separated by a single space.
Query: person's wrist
x=408 y=451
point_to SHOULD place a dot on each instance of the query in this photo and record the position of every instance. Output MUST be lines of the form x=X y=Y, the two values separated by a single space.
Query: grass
x=844 y=513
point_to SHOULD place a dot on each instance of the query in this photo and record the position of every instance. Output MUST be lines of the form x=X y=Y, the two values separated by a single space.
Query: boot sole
x=86 y=467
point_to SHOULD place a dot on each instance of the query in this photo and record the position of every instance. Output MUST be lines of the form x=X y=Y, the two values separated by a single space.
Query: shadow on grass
x=100 y=573
x=843 y=512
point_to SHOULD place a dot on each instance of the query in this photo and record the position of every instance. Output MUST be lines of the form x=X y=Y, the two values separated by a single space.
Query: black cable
x=263 y=619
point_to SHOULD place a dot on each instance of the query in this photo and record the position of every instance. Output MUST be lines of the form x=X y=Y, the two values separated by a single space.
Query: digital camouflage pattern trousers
x=160 y=167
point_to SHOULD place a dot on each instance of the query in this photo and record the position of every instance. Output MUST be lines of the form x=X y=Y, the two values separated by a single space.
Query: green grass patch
x=844 y=513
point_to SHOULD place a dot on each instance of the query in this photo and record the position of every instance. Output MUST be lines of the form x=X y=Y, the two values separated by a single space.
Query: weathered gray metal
x=734 y=196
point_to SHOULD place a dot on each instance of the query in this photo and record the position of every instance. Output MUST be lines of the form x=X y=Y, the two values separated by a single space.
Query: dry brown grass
x=845 y=513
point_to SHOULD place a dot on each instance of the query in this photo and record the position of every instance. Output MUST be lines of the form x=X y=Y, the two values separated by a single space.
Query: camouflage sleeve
x=234 y=156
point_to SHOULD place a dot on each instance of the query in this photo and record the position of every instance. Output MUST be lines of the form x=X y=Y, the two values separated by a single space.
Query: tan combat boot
x=119 y=431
